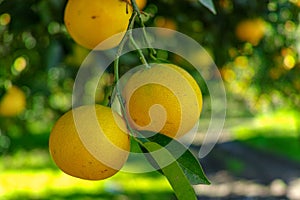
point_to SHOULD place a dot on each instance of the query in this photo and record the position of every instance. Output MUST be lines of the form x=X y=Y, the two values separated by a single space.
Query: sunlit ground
x=52 y=184
x=274 y=132
x=18 y=182
x=31 y=174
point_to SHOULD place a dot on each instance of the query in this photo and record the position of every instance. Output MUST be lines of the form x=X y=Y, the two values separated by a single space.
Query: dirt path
x=240 y=172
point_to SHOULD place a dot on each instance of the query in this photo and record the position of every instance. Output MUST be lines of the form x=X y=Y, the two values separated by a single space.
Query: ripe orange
x=141 y=4
x=13 y=102
x=90 y=22
x=251 y=30
x=164 y=98
x=86 y=149
x=163 y=22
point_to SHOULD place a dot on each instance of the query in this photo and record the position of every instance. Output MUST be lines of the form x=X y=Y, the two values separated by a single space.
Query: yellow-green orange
x=251 y=30
x=90 y=142
x=13 y=102
x=90 y=22
x=164 y=98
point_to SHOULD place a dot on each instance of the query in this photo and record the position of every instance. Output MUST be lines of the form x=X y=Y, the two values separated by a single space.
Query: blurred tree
x=33 y=45
x=254 y=43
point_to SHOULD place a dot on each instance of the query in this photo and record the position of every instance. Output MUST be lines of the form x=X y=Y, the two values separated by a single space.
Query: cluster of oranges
x=92 y=141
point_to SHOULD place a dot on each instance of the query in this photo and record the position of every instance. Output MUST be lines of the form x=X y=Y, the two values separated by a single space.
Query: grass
x=51 y=184
x=275 y=133
x=29 y=173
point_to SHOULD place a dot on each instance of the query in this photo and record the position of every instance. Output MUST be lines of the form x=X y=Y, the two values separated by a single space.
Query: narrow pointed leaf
x=186 y=160
x=192 y=169
x=209 y=4
x=173 y=172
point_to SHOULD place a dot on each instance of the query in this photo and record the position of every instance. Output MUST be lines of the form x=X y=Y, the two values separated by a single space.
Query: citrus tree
x=263 y=59
x=98 y=152
x=255 y=44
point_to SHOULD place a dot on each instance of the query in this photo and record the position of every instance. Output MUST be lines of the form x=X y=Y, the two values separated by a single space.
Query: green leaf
x=187 y=161
x=209 y=4
x=192 y=169
x=173 y=172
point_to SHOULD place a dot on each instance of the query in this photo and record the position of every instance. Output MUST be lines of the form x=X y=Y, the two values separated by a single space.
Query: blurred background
x=256 y=46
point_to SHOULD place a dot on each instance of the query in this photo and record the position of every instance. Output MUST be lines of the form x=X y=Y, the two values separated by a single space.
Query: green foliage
x=264 y=75
x=175 y=161
x=33 y=47
x=173 y=172
x=186 y=160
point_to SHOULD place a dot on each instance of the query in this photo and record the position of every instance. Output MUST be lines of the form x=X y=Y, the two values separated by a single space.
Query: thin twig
x=128 y=35
x=116 y=71
x=139 y=15
x=121 y=46
x=142 y=57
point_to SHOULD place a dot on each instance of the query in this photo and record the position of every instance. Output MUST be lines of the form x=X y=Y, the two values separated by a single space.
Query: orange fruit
x=90 y=142
x=141 y=4
x=13 y=102
x=90 y=22
x=163 y=22
x=164 y=98
x=251 y=30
